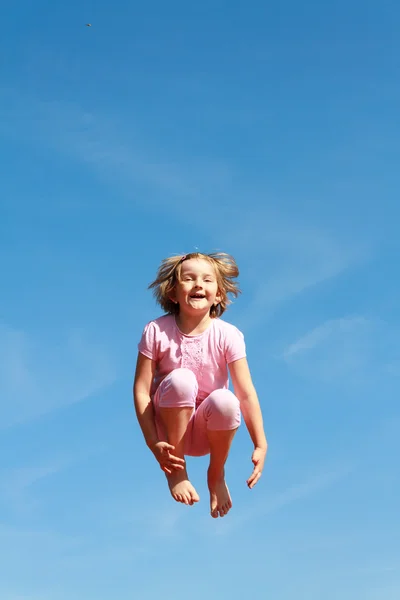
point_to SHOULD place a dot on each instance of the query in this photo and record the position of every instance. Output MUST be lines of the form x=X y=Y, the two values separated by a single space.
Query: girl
x=181 y=395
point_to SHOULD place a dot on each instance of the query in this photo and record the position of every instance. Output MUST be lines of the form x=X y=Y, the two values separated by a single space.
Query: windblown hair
x=169 y=273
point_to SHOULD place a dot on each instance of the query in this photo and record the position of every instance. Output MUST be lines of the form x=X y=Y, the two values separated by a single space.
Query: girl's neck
x=192 y=325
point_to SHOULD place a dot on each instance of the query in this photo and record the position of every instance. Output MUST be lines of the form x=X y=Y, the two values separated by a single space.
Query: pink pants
x=219 y=411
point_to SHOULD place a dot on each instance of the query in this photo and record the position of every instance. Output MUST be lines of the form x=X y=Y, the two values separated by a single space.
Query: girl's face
x=197 y=289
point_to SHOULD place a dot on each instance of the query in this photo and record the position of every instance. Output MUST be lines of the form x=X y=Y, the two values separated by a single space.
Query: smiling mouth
x=197 y=297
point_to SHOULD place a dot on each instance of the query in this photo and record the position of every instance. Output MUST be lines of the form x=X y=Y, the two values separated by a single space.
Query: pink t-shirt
x=207 y=354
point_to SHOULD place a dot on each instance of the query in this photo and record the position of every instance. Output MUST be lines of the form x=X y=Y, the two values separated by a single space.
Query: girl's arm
x=251 y=410
x=162 y=450
x=249 y=404
x=144 y=375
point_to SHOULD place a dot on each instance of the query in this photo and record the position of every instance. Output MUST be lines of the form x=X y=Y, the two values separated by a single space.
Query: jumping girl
x=181 y=395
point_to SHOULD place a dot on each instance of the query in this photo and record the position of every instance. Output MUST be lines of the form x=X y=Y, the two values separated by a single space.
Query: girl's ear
x=172 y=296
x=218 y=298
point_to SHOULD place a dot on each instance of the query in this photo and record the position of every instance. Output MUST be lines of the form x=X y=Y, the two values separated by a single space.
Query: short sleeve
x=235 y=347
x=147 y=345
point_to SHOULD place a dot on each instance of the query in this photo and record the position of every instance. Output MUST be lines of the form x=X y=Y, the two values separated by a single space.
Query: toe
x=214 y=511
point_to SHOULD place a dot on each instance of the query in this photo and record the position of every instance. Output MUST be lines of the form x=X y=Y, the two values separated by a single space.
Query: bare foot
x=220 y=498
x=181 y=489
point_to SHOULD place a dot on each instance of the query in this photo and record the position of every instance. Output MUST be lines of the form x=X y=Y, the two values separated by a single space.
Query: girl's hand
x=167 y=461
x=258 y=460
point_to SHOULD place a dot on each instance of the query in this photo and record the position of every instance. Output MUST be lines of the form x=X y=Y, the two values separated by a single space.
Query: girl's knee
x=178 y=389
x=223 y=410
x=183 y=380
x=224 y=400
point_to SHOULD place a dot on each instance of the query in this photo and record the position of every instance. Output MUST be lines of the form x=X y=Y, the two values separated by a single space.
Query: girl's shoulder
x=163 y=323
x=162 y=320
x=230 y=340
x=158 y=331
x=227 y=329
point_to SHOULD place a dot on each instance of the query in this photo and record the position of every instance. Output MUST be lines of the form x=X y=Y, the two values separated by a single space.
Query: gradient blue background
x=267 y=130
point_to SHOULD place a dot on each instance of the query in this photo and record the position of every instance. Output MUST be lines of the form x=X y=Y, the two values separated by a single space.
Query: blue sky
x=266 y=130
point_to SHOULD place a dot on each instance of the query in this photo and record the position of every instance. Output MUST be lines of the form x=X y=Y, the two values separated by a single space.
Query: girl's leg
x=175 y=421
x=220 y=498
x=174 y=404
x=217 y=419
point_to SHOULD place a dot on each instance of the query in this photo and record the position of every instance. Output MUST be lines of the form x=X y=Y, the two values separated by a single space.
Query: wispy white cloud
x=161 y=518
x=305 y=489
x=112 y=147
x=383 y=590
x=352 y=349
x=10 y=594
x=39 y=553
x=320 y=334
x=38 y=377
x=15 y=481
x=23 y=544
x=380 y=568
x=17 y=493
x=277 y=501
x=393 y=368
x=285 y=257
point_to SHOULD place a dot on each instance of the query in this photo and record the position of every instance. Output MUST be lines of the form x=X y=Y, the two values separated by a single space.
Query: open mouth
x=197 y=296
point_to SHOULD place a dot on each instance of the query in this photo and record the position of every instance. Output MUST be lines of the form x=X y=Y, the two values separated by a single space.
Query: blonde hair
x=169 y=273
